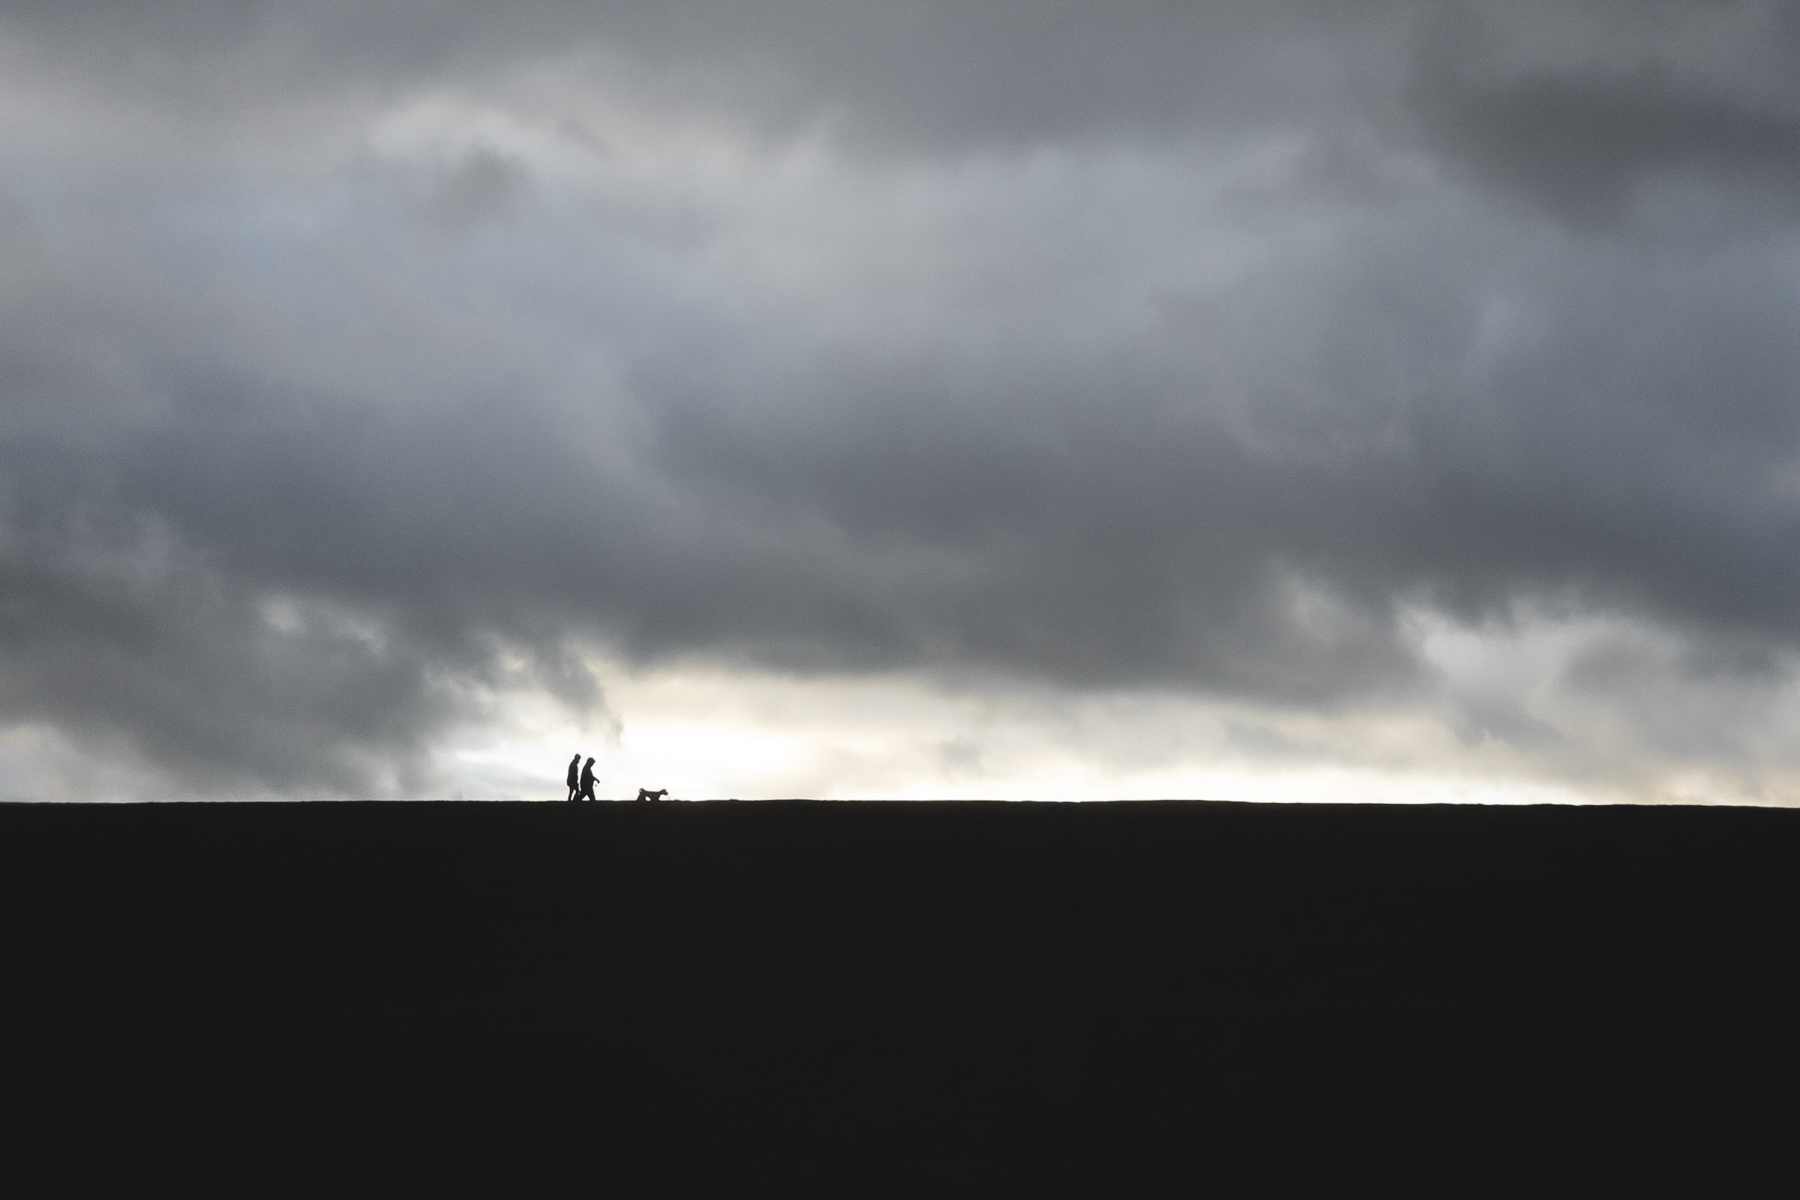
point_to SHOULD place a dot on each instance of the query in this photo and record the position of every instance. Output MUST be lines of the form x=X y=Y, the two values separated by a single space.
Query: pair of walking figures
x=581 y=782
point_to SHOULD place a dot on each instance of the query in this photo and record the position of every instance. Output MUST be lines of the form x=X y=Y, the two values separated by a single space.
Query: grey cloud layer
x=1124 y=346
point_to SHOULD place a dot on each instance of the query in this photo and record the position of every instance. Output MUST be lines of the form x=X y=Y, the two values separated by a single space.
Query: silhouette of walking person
x=587 y=781
x=574 y=775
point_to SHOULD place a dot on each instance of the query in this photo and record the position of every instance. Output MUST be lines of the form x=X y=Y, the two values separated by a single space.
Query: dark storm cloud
x=1581 y=138
x=117 y=628
x=302 y=468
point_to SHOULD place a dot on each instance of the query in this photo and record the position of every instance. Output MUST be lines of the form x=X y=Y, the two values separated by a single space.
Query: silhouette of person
x=574 y=770
x=587 y=781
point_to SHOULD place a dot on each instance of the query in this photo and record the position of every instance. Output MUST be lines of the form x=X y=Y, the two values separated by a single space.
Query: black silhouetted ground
x=1182 y=961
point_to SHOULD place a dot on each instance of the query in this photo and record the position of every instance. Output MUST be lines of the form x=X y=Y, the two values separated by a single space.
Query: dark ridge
x=1002 y=958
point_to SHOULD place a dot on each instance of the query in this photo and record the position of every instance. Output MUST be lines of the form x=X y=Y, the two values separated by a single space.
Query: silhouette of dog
x=647 y=794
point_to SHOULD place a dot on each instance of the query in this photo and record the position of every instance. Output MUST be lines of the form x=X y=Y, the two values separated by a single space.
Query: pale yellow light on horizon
x=710 y=734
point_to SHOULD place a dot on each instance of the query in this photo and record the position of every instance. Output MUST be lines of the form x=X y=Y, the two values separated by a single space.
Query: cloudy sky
x=1265 y=400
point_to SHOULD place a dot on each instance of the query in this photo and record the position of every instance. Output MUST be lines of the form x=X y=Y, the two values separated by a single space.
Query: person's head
x=590 y=762
x=577 y=757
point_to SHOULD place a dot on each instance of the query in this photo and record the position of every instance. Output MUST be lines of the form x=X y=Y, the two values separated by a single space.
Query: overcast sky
x=1374 y=400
